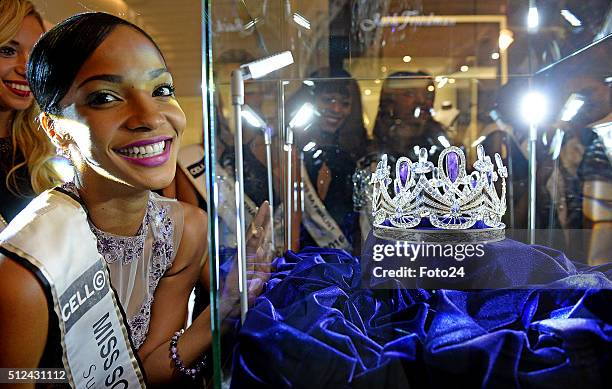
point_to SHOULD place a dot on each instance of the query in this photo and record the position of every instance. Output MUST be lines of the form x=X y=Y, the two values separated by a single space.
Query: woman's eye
x=164 y=91
x=7 y=51
x=99 y=99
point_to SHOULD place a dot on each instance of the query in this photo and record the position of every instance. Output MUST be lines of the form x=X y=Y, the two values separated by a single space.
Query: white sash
x=317 y=221
x=191 y=161
x=53 y=235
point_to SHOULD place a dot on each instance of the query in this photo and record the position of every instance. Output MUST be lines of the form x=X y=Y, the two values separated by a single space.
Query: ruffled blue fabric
x=314 y=327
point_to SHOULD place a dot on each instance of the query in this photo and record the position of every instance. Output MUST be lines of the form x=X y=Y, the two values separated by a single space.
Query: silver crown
x=447 y=195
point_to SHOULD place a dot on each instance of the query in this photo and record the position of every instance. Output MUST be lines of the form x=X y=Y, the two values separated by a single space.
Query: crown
x=442 y=203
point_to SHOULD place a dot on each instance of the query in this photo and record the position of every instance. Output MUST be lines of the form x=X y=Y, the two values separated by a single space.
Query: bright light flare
x=533 y=107
x=252 y=117
x=533 y=18
x=571 y=107
x=303 y=116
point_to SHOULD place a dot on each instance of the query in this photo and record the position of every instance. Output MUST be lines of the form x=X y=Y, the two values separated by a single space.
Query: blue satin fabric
x=314 y=327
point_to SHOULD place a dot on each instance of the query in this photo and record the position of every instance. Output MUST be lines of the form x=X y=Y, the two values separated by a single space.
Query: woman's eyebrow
x=118 y=79
x=157 y=72
x=103 y=77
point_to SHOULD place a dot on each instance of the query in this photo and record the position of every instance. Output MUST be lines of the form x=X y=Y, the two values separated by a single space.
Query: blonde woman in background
x=25 y=151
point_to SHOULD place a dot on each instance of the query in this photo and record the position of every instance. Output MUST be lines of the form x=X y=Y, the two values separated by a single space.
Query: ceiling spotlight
x=571 y=18
x=451 y=80
x=464 y=68
x=431 y=88
x=478 y=141
x=377 y=81
x=443 y=141
x=251 y=24
x=407 y=58
x=506 y=37
x=383 y=69
x=533 y=18
x=494 y=55
x=262 y=67
x=309 y=146
x=308 y=82
x=367 y=92
x=301 y=21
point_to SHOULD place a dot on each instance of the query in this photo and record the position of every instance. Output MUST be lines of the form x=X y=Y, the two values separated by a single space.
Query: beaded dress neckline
x=154 y=242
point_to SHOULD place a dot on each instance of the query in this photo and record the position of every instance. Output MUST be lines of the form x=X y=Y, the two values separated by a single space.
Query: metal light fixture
x=256 y=121
x=251 y=70
x=301 y=119
x=533 y=108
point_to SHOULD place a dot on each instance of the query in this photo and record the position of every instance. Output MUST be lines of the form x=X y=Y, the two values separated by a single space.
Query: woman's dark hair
x=61 y=52
x=381 y=123
x=352 y=135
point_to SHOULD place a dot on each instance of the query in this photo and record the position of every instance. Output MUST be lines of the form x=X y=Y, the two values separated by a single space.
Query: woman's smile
x=149 y=152
x=19 y=88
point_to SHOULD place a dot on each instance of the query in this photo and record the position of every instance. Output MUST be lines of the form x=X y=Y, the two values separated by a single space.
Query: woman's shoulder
x=22 y=299
x=193 y=232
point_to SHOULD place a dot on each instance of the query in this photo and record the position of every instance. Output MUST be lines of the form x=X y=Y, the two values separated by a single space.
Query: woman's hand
x=259 y=254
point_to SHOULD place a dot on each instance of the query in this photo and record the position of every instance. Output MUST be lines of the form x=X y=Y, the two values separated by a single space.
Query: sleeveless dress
x=136 y=264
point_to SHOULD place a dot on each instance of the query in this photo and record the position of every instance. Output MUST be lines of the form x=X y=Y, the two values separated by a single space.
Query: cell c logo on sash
x=83 y=294
x=99 y=280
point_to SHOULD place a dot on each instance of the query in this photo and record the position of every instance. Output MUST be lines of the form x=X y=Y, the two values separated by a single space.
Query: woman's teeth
x=147 y=151
x=20 y=87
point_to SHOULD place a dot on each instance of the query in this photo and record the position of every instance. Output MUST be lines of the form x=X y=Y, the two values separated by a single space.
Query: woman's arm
x=170 y=305
x=169 y=309
x=24 y=317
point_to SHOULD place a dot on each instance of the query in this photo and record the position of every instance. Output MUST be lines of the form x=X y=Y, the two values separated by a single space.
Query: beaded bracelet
x=191 y=372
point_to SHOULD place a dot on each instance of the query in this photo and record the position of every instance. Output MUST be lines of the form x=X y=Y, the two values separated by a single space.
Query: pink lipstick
x=147 y=152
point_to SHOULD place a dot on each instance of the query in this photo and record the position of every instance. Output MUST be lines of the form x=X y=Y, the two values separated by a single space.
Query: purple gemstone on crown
x=452 y=166
x=403 y=172
x=397 y=188
x=474 y=182
x=489 y=177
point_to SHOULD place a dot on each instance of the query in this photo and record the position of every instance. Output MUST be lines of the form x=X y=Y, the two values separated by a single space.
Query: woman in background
x=329 y=149
x=25 y=151
x=404 y=118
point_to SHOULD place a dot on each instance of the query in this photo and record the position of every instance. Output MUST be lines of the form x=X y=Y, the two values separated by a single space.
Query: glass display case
x=366 y=129
x=427 y=80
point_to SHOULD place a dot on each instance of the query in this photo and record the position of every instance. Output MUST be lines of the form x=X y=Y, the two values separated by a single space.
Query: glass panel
x=405 y=78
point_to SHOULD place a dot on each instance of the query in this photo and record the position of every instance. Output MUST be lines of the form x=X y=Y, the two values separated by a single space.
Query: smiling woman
x=112 y=109
x=25 y=152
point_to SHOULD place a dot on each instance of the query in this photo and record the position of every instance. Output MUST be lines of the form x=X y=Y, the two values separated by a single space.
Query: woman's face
x=122 y=115
x=14 y=91
x=403 y=103
x=334 y=108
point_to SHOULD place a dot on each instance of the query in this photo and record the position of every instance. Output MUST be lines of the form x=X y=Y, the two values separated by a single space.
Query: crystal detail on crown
x=445 y=194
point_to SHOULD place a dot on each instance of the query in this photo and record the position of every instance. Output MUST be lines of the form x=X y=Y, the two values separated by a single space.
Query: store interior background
x=470 y=48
